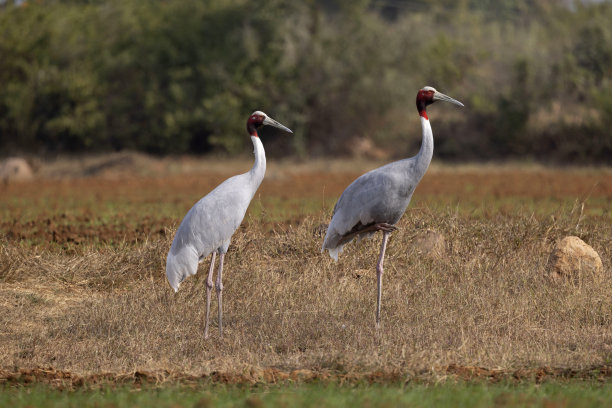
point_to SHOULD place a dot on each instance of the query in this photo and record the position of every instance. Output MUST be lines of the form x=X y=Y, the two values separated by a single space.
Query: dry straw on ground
x=487 y=302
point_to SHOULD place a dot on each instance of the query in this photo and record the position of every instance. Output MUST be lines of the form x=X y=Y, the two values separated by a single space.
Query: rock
x=15 y=169
x=430 y=244
x=573 y=259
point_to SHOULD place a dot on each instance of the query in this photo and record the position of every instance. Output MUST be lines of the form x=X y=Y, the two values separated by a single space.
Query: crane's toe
x=383 y=226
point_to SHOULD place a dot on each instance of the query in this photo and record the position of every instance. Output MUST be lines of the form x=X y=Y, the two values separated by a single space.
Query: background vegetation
x=181 y=76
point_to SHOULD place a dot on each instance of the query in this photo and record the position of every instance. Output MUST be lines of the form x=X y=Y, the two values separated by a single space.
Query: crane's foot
x=383 y=226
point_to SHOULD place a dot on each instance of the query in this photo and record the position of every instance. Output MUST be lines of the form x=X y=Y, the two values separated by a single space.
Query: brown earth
x=37 y=211
x=82 y=285
x=256 y=375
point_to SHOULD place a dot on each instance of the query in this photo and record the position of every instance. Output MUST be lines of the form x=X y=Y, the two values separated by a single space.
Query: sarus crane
x=209 y=225
x=377 y=200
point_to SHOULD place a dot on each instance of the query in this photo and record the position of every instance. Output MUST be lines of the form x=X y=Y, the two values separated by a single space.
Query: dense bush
x=182 y=76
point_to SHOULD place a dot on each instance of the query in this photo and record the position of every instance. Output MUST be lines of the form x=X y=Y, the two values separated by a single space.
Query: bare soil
x=256 y=375
x=75 y=210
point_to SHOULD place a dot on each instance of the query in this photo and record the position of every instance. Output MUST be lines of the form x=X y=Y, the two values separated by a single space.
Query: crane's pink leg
x=209 y=286
x=220 y=292
x=379 y=273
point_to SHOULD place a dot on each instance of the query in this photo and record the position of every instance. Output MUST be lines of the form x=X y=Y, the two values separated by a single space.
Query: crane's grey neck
x=423 y=158
x=259 y=167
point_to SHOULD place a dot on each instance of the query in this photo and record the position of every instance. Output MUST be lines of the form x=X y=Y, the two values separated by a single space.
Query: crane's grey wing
x=378 y=196
x=208 y=226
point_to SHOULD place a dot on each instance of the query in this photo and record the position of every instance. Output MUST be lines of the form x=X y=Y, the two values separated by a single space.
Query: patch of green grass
x=469 y=394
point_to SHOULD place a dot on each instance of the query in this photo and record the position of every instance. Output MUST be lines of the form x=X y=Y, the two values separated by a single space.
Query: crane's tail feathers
x=334 y=252
x=180 y=266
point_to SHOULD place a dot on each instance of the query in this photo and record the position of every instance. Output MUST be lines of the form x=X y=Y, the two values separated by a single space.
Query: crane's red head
x=258 y=119
x=429 y=95
x=255 y=120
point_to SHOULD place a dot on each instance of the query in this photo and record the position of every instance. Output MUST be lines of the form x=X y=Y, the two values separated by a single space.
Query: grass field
x=85 y=301
x=469 y=395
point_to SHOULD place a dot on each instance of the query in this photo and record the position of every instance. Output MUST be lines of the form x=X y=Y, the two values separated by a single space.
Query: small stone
x=574 y=260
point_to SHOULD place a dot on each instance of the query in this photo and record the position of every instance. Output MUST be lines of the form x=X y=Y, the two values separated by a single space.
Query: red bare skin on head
x=253 y=123
x=423 y=99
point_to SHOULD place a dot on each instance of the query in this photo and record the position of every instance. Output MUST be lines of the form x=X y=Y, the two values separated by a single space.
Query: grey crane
x=377 y=200
x=209 y=225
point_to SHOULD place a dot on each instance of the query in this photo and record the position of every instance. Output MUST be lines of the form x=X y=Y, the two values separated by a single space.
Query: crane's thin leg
x=379 y=273
x=209 y=286
x=220 y=292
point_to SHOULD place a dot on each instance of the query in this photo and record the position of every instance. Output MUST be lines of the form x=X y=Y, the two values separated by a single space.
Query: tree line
x=168 y=77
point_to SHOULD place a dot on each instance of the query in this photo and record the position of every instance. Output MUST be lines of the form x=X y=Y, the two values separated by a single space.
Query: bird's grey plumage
x=211 y=222
x=209 y=225
x=378 y=196
x=377 y=200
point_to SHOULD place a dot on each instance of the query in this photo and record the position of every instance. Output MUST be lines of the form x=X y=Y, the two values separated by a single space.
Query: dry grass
x=286 y=305
x=82 y=285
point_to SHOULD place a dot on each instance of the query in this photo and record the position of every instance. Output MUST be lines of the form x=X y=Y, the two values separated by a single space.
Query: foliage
x=181 y=76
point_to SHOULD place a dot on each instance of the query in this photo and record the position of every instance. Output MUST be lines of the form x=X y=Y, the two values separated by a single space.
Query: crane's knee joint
x=219 y=287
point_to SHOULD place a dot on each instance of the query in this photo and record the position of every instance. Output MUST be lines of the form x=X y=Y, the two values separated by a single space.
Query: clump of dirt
x=574 y=260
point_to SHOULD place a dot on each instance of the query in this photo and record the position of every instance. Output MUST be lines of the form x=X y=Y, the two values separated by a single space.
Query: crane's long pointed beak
x=271 y=122
x=441 y=97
